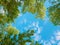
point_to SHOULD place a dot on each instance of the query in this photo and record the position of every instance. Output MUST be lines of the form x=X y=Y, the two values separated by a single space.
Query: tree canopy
x=54 y=13
x=12 y=38
x=9 y=11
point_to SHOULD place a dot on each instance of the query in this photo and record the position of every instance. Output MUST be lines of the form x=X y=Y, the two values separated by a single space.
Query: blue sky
x=46 y=32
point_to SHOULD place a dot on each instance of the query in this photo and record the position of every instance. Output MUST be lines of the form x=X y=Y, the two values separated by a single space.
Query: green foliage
x=54 y=12
x=11 y=11
x=34 y=43
x=9 y=35
x=18 y=39
x=12 y=30
x=8 y=12
x=34 y=6
x=10 y=8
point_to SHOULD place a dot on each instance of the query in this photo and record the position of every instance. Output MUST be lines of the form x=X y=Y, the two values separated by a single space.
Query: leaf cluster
x=15 y=39
x=54 y=13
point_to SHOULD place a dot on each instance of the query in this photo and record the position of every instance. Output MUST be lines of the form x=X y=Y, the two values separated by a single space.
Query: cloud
x=39 y=30
x=35 y=24
x=52 y=41
x=41 y=41
x=58 y=43
x=36 y=37
x=47 y=43
x=57 y=35
x=36 y=28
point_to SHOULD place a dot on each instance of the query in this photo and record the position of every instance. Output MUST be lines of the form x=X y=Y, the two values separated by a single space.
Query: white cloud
x=37 y=37
x=35 y=24
x=39 y=29
x=41 y=41
x=36 y=27
x=52 y=41
x=47 y=43
x=58 y=43
x=57 y=35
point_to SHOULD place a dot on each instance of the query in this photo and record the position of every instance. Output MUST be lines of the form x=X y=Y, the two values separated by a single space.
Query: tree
x=35 y=43
x=37 y=6
x=9 y=11
x=10 y=8
x=33 y=6
x=13 y=37
x=54 y=12
x=8 y=34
